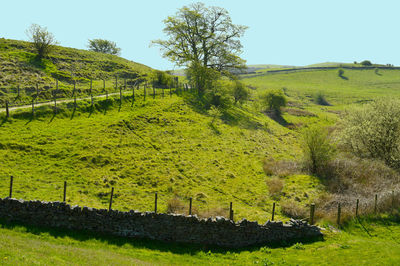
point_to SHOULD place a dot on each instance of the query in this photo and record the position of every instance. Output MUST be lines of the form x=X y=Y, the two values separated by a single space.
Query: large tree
x=43 y=41
x=104 y=46
x=202 y=37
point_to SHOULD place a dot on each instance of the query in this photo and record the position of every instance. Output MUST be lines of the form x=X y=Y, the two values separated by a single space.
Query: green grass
x=161 y=146
x=360 y=85
x=20 y=67
x=26 y=245
x=168 y=146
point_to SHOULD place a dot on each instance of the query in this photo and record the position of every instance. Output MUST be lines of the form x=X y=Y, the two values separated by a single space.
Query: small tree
x=366 y=63
x=240 y=93
x=104 y=46
x=43 y=41
x=340 y=72
x=373 y=131
x=274 y=101
x=317 y=149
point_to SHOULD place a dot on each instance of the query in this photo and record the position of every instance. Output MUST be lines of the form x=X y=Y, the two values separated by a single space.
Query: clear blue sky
x=280 y=31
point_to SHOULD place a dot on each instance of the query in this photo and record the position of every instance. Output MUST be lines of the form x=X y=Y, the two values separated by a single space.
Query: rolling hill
x=166 y=144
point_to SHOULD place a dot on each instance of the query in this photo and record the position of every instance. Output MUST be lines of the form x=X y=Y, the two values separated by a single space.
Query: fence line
x=74 y=87
x=379 y=206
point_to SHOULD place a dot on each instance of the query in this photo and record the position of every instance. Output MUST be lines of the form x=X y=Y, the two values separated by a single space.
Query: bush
x=366 y=63
x=104 y=46
x=275 y=186
x=280 y=168
x=292 y=209
x=373 y=131
x=274 y=101
x=239 y=92
x=174 y=205
x=321 y=100
x=340 y=72
x=317 y=149
x=43 y=41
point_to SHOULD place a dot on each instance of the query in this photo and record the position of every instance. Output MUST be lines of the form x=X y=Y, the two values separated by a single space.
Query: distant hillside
x=19 y=65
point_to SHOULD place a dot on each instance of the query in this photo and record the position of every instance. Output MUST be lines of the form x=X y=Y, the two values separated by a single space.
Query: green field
x=356 y=86
x=170 y=146
x=23 y=245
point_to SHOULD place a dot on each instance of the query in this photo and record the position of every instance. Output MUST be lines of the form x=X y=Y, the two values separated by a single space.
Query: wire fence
x=119 y=198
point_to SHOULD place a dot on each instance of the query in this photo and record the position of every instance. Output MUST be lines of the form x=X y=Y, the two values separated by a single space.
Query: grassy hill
x=20 y=67
x=169 y=146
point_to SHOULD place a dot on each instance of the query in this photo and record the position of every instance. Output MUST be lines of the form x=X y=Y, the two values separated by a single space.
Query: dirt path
x=2 y=110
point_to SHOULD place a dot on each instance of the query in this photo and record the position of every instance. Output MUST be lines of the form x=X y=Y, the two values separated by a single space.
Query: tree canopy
x=202 y=37
x=104 y=46
x=43 y=41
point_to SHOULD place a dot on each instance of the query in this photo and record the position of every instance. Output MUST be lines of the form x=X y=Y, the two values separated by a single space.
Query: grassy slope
x=168 y=147
x=353 y=246
x=20 y=67
x=360 y=84
x=163 y=145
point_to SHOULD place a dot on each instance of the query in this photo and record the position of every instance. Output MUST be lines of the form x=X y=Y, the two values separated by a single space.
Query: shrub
x=240 y=93
x=321 y=100
x=366 y=63
x=104 y=46
x=43 y=41
x=280 y=168
x=274 y=101
x=340 y=72
x=317 y=149
x=174 y=205
x=292 y=209
x=373 y=131
x=275 y=186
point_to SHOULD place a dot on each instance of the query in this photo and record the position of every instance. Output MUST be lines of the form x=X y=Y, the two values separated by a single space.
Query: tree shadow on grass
x=173 y=247
x=277 y=117
x=3 y=121
x=232 y=116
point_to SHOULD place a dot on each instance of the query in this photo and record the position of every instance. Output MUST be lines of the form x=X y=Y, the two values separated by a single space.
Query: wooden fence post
x=111 y=198
x=338 y=214
x=312 y=211
x=230 y=211
x=273 y=211
x=376 y=204
x=133 y=93
x=190 y=206
x=144 y=92
x=74 y=101
x=104 y=84
x=65 y=191
x=392 y=202
x=11 y=186
x=7 y=111
x=155 y=202
x=55 y=104
x=73 y=92
x=91 y=99
x=37 y=92
x=33 y=107
x=357 y=202
x=120 y=95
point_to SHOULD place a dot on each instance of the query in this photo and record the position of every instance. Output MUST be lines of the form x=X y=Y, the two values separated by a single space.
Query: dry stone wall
x=157 y=226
